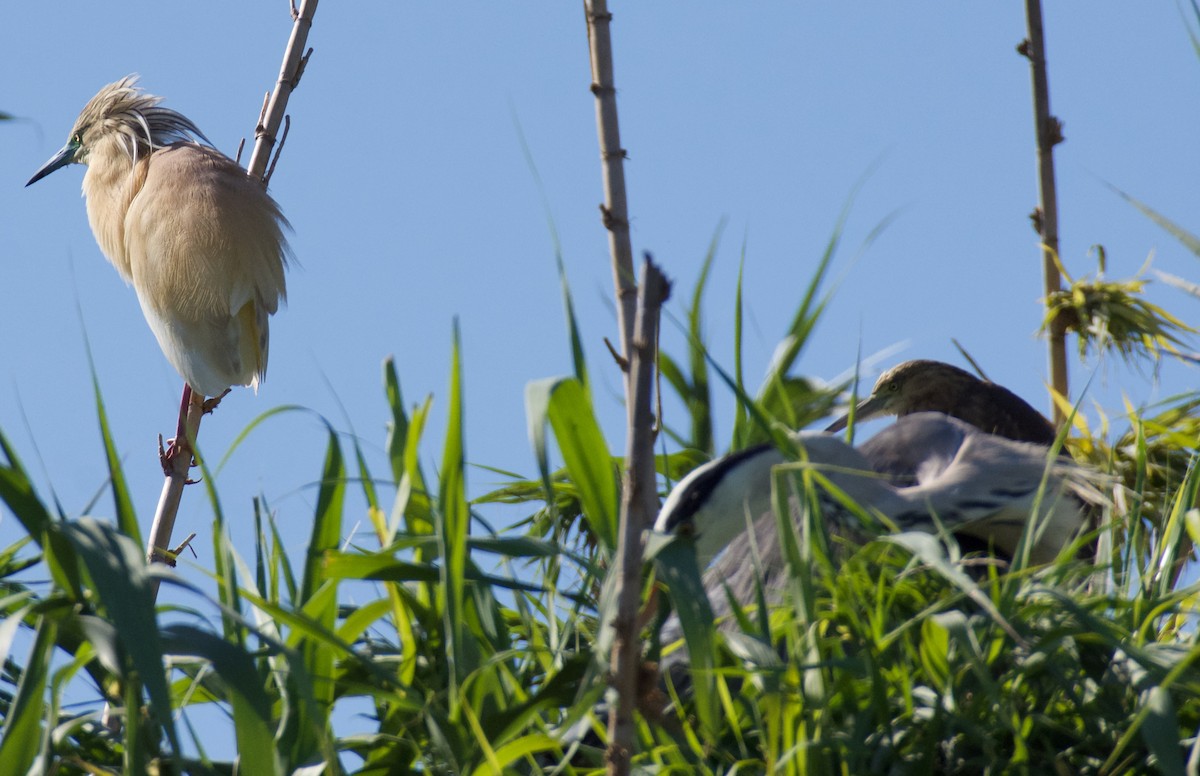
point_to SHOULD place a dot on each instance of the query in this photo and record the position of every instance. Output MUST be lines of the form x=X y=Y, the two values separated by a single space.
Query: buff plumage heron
x=200 y=241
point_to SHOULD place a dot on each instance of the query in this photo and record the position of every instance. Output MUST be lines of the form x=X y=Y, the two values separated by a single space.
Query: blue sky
x=413 y=204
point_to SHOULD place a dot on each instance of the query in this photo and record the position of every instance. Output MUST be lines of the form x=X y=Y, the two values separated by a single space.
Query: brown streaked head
x=933 y=386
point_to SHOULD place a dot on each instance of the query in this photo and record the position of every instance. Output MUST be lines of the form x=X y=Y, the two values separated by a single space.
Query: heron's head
x=714 y=500
x=121 y=113
x=914 y=386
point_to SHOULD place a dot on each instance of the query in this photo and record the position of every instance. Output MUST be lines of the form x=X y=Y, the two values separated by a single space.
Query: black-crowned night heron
x=201 y=242
x=931 y=386
x=979 y=485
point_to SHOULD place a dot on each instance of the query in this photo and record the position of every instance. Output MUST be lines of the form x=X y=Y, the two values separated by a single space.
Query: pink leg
x=179 y=445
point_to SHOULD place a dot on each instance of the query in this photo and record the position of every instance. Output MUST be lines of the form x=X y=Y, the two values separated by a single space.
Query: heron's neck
x=111 y=182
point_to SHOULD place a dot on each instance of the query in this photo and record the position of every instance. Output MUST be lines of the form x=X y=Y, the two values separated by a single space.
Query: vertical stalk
x=639 y=499
x=1048 y=130
x=639 y=502
x=615 y=211
x=289 y=77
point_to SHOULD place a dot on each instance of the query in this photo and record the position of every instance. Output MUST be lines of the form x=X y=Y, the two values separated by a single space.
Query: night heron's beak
x=868 y=408
x=65 y=156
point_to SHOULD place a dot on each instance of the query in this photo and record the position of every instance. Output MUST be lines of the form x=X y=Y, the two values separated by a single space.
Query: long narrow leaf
x=452 y=523
x=251 y=706
x=19 y=742
x=118 y=571
x=568 y=407
x=122 y=503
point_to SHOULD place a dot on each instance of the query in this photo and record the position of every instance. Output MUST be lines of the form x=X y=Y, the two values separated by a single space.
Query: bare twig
x=289 y=77
x=639 y=501
x=287 y=127
x=615 y=211
x=1049 y=134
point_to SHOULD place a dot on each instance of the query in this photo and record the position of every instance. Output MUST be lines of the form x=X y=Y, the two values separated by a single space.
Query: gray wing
x=916 y=447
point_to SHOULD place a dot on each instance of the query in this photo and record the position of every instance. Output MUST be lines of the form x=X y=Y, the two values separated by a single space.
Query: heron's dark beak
x=65 y=156
x=868 y=408
x=839 y=424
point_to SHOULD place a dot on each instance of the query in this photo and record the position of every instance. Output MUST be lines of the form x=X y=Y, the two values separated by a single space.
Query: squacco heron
x=200 y=241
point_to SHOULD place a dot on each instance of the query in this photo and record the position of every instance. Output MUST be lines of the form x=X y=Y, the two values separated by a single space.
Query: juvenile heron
x=201 y=242
x=931 y=386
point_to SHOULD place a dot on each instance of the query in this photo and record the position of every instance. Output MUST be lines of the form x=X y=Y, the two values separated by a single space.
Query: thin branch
x=287 y=127
x=289 y=77
x=614 y=213
x=639 y=502
x=1045 y=218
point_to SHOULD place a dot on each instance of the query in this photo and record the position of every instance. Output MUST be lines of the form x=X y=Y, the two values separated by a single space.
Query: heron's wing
x=990 y=490
x=916 y=448
x=207 y=256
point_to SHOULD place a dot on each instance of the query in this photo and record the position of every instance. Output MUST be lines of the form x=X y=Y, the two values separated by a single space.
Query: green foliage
x=478 y=652
x=1113 y=316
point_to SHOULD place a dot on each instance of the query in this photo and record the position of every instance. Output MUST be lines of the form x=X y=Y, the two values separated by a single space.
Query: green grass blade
x=412 y=505
x=327 y=522
x=577 y=355
x=318 y=599
x=118 y=571
x=1189 y=240
x=397 y=435
x=699 y=397
x=567 y=405
x=250 y=704
x=741 y=426
x=578 y=360
x=122 y=502
x=675 y=563
x=452 y=524
x=12 y=623
x=1160 y=732
x=17 y=493
x=22 y=723
x=244 y=434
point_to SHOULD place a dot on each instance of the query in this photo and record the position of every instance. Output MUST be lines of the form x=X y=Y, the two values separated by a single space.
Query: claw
x=214 y=402
x=174 y=449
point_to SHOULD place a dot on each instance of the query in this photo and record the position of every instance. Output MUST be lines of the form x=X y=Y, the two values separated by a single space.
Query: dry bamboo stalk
x=615 y=210
x=1049 y=134
x=639 y=502
x=290 y=72
x=191 y=411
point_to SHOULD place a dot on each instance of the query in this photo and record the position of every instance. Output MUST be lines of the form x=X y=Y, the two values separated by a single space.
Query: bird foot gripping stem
x=212 y=403
x=173 y=450
x=178 y=446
